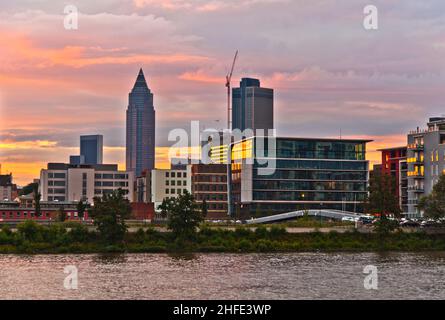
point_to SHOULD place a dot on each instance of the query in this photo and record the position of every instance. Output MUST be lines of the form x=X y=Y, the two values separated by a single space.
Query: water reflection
x=224 y=276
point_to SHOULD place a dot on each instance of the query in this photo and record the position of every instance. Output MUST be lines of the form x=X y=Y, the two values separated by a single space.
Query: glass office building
x=91 y=150
x=252 y=106
x=140 y=138
x=289 y=174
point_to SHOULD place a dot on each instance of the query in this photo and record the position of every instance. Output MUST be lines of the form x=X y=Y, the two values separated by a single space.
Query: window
x=167 y=174
x=167 y=191
x=173 y=174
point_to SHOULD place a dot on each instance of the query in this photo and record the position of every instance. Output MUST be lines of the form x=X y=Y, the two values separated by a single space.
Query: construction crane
x=228 y=81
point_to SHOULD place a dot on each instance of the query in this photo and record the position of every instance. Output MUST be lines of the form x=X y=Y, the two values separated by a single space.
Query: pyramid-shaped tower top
x=140 y=81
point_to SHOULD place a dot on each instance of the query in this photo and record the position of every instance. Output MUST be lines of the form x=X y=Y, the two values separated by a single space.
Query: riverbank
x=34 y=239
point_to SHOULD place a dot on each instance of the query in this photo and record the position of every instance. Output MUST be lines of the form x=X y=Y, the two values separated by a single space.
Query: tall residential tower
x=140 y=153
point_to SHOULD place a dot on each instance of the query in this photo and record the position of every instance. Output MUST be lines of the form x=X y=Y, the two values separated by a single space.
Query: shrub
x=79 y=233
x=261 y=232
x=276 y=232
x=244 y=245
x=30 y=231
x=140 y=235
x=242 y=232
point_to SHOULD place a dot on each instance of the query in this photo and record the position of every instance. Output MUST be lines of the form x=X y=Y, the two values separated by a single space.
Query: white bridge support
x=332 y=214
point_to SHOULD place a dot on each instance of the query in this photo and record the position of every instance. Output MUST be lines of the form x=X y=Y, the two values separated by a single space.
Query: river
x=224 y=276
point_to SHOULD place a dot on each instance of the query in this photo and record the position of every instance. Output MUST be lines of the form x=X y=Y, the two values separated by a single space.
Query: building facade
x=291 y=174
x=394 y=163
x=65 y=182
x=169 y=183
x=252 y=106
x=91 y=149
x=140 y=136
x=426 y=162
x=49 y=210
x=209 y=183
x=8 y=190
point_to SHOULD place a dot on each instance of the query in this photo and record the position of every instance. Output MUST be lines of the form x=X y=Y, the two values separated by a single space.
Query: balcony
x=417 y=189
x=415 y=160
x=415 y=147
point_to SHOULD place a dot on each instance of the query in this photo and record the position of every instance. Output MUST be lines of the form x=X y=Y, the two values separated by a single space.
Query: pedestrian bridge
x=332 y=214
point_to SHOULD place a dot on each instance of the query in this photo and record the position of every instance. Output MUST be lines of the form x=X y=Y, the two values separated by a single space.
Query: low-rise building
x=66 y=182
x=284 y=174
x=49 y=210
x=209 y=183
x=168 y=183
x=8 y=190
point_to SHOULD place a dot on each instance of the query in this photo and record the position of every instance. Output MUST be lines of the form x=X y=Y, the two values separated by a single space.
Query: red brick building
x=209 y=183
x=394 y=163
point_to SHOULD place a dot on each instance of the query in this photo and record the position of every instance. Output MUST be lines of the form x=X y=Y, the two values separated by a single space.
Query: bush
x=276 y=232
x=242 y=232
x=244 y=245
x=79 y=233
x=140 y=235
x=30 y=231
x=261 y=232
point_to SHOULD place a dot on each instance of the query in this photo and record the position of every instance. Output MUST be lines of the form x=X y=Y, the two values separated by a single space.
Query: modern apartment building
x=140 y=138
x=66 y=182
x=278 y=175
x=209 y=183
x=252 y=106
x=426 y=161
x=394 y=163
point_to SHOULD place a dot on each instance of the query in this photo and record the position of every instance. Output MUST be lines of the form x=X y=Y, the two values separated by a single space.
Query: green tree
x=433 y=205
x=204 y=208
x=37 y=197
x=383 y=200
x=382 y=197
x=109 y=214
x=183 y=215
x=81 y=207
x=165 y=207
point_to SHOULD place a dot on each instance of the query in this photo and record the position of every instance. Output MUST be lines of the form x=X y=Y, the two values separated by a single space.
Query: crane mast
x=228 y=85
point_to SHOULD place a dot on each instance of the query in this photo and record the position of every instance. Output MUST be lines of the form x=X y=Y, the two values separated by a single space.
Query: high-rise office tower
x=252 y=106
x=140 y=153
x=91 y=148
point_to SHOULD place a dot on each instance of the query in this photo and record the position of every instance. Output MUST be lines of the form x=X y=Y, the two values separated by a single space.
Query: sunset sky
x=328 y=72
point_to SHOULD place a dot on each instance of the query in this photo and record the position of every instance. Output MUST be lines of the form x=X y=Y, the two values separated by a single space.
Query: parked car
x=349 y=219
x=429 y=224
x=409 y=224
x=366 y=219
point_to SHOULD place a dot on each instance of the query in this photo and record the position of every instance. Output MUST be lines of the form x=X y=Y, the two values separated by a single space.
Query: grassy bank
x=33 y=239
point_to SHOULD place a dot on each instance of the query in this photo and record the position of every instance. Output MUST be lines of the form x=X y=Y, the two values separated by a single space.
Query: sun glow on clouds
x=56 y=84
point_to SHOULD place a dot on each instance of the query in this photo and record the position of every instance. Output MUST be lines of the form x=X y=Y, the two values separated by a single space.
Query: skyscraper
x=252 y=106
x=91 y=148
x=140 y=153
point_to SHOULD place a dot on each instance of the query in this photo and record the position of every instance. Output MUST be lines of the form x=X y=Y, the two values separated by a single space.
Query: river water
x=224 y=276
